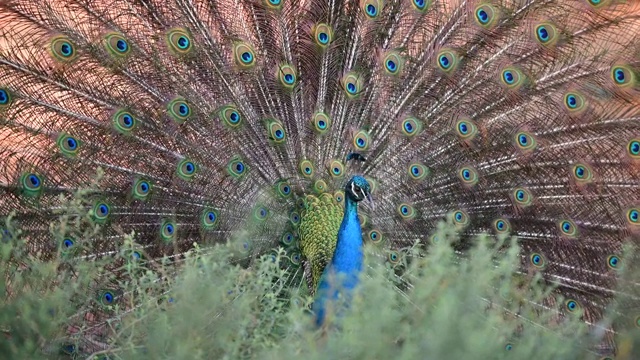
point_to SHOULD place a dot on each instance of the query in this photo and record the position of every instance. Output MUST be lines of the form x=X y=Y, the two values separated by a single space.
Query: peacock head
x=358 y=189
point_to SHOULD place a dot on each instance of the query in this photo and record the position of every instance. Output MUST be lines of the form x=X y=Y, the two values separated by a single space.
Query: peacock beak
x=371 y=203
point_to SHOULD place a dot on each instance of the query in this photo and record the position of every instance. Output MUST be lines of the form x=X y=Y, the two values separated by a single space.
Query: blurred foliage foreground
x=213 y=304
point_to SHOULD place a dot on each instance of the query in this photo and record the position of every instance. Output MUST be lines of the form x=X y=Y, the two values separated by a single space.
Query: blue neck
x=346 y=262
x=347 y=257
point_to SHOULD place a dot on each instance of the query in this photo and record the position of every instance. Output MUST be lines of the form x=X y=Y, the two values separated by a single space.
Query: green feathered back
x=319 y=225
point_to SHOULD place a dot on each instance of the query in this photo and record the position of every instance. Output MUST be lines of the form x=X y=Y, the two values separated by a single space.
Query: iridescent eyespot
x=275 y=131
x=546 y=34
x=141 y=189
x=486 y=15
x=68 y=145
x=136 y=255
x=243 y=246
x=468 y=175
x=230 y=116
x=168 y=230
x=393 y=63
x=5 y=98
x=273 y=4
x=123 y=122
x=352 y=83
x=614 y=262
x=371 y=8
x=209 y=219
x=338 y=196
x=320 y=186
x=502 y=226
x=508 y=347
x=373 y=184
x=179 y=110
x=512 y=78
x=434 y=239
x=406 y=211
x=537 y=260
x=568 y=228
x=186 y=169
x=101 y=212
x=295 y=258
x=68 y=246
x=623 y=76
x=236 y=167
x=321 y=122
x=418 y=171
x=287 y=239
x=363 y=219
x=179 y=41
x=62 y=49
x=421 y=5
x=574 y=102
x=522 y=197
x=306 y=168
x=582 y=173
x=322 y=34
x=572 y=305
x=460 y=218
x=410 y=126
x=106 y=297
x=361 y=140
x=525 y=141
x=286 y=74
x=466 y=129
x=116 y=45
x=336 y=168
x=375 y=236
x=633 y=216
x=283 y=189
x=447 y=60
x=633 y=148
x=31 y=184
x=294 y=217
x=598 y=3
x=68 y=243
x=244 y=55
x=393 y=257
x=68 y=349
x=260 y=213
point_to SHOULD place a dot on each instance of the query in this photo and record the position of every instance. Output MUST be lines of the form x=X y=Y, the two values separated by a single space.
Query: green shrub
x=413 y=304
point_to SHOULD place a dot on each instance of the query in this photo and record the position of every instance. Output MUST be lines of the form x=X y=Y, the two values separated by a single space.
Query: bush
x=411 y=304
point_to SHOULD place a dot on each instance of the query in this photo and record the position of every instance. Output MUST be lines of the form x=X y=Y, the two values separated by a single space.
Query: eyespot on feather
x=179 y=41
x=68 y=145
x=306 y=168
x=486 y=15
x=116 y=45
x=522 y=197
x=353 y=84
x=186 y=169
x=236 y=167
x=372 y=8
x=230 y=116
x=361 y=140
x=321 y=122
x=322 y=35
x=244 y=55
x=62 y=49
x=124 y=122
x=179 y=110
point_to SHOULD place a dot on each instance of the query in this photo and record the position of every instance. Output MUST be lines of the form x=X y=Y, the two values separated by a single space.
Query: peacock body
x=249 y=121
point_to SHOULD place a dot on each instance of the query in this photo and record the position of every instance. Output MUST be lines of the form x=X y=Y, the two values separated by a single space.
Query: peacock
x=322 y=126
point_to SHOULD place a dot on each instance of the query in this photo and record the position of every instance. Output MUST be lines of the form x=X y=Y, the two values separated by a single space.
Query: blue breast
x=345 y=265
